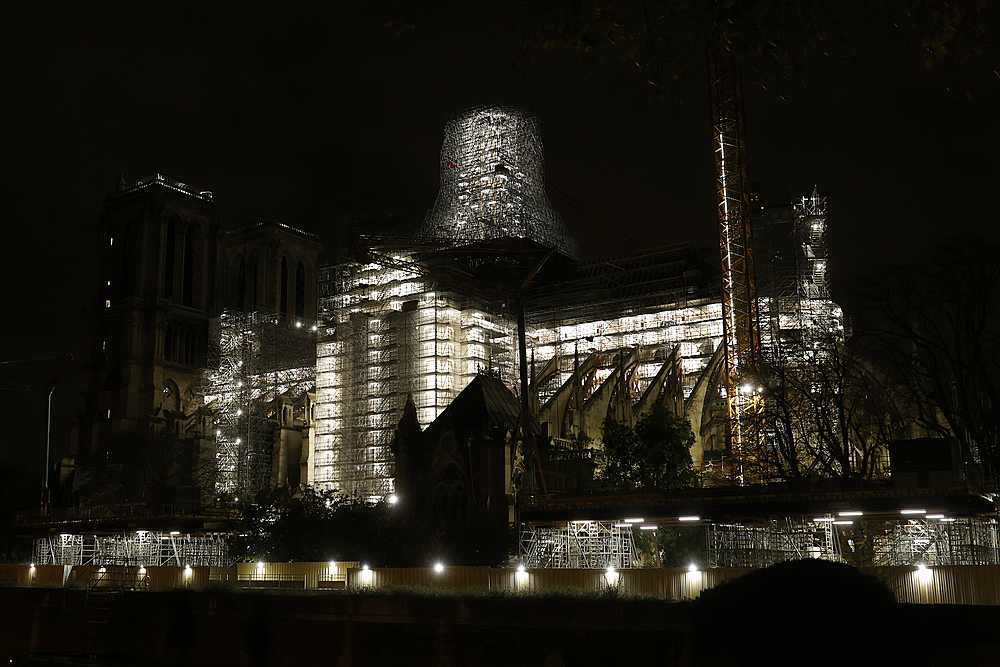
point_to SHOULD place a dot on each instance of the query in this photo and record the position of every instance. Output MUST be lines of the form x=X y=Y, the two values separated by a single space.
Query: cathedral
x=257 y=367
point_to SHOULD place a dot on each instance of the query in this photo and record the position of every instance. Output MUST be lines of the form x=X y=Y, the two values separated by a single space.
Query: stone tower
x=147 y=327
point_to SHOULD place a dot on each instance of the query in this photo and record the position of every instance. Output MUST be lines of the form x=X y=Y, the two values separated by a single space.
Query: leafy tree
x=678 y=546
x=322 y=525
x=935 y=329
x=655 y=454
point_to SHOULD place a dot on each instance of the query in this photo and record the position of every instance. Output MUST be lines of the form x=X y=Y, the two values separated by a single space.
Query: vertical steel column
x=741 y=335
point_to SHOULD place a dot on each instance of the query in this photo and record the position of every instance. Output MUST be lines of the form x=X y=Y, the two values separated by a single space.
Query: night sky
x=319 y=119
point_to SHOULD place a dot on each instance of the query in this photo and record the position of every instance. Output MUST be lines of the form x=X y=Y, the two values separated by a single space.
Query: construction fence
x=950 y=584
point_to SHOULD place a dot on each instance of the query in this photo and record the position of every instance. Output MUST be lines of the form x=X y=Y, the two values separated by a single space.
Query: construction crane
x=379 y=250
x=740 y=320
x=49 y=387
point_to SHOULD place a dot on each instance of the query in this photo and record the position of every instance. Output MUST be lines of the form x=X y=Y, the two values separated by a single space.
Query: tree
x=826 y=410
x=655 y=454
x=678 y=546
x=935 y=329
x=771 y=39
x=320 y=525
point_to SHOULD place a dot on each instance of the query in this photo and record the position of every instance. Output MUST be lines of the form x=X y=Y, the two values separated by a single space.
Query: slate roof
x=487 y=399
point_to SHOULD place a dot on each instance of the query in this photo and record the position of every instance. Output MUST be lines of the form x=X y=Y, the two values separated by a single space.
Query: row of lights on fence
x=846 y=522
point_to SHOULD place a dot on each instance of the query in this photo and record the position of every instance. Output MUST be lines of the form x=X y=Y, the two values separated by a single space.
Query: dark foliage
x=655 y=454
x=322 y=526
x=808 y=610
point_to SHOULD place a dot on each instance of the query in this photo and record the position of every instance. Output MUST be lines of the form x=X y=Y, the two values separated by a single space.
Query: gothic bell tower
x=147 y=327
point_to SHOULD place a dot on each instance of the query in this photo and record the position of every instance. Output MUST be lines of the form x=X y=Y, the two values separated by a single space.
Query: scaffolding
x=493 y=182
x=773 y=541
x=793 y=282
x=966 y=541
x=254 y=358
x=389 y=334
x=143 y=548
x=648 y=302
x=578 y=545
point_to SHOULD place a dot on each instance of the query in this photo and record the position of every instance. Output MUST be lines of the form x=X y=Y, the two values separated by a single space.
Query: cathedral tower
x=147 y=327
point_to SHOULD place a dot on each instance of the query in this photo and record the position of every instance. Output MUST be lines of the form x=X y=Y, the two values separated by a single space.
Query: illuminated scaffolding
x=773 y=541
x=388 y=333
x=140 y=548
x=254 y=358
x=578 y=544
x=649 y=302
x=493 y=182
x=793 y=284
x=964 y=541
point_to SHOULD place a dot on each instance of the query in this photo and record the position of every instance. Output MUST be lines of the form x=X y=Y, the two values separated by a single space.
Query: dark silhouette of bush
x=808 y=612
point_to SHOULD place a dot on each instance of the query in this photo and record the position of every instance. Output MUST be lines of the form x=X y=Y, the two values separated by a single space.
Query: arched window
x=168 y=261
x=283 y=289
x=300 y=291
x=188 y=294
x=171 y=396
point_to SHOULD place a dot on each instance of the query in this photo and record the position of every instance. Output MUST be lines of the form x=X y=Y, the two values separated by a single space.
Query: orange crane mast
x=740 y=319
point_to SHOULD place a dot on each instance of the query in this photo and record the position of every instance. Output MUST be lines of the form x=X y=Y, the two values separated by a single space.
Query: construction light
x=634 y=520
x=260 y=565
x=439 y=568
x=520 y=569
x=611 y=570
x=947 y=520
x=923 y=573
x=843 y=523
x=142 y=570
x=822 y=519
x=851 y=513
x=393 y=499
x=364 y=567
x=913 y=511
x=647 y=527
x=689 y=518
x=934 y=516
x=692 y=568
x=175 y=532
x=32 y=566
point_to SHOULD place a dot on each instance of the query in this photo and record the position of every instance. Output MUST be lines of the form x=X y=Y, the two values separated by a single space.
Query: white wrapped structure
x=493 y=182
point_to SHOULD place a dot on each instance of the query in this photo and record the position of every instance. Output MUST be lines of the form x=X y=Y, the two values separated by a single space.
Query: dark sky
x=309 y=117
